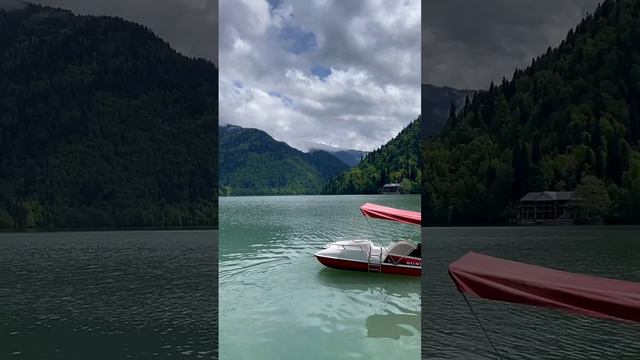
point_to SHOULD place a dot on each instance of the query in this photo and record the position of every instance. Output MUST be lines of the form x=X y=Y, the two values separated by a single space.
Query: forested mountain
x=253 y=163
x=436 y=105
x=396 y=161
x=102 y=124
x=569 y=121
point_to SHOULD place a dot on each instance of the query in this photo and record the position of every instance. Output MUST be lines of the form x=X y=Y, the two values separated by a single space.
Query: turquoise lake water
x=278 y=302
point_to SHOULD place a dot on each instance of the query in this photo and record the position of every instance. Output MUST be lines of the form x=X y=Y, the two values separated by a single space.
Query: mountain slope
x=350 y=157
x=102 y=124
x=436 y=105
x=396 y=161
x=253 y=163
x=568 y=122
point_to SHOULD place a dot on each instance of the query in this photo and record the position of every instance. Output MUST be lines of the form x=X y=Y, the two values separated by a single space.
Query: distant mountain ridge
x=436 y=104
x=349 y=157
x=253 y=163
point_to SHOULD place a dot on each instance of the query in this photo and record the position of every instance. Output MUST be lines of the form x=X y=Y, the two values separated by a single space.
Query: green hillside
x=567 y=122
x=397 y=161
x=102 y=124
x=253 y=163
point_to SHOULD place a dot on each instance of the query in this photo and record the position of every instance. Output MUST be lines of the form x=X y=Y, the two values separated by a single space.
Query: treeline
x=102 y=125
x=398 y=161
x=567 y=122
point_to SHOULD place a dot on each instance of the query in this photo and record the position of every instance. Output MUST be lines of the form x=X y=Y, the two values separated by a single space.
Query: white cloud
x=371 y=47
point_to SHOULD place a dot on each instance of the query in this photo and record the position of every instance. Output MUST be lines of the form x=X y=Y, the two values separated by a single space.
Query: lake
x=278 y=302
x=108 y=295
x=519 y=331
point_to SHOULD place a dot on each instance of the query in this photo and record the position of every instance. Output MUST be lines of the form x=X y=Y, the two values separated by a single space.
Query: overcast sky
x=469 y=43
x=190 y=26
x=321 y=73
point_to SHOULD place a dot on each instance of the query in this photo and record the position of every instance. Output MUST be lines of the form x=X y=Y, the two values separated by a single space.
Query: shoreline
x=390 y=196
x=61 y=230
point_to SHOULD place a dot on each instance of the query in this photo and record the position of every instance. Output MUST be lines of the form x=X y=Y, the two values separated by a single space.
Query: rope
x=486 y=334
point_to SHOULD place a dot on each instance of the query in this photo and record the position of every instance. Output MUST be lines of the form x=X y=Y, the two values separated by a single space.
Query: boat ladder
x=374 y=262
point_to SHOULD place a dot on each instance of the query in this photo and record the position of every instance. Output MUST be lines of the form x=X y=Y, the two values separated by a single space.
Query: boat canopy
x=498 y=279
x=391 y=214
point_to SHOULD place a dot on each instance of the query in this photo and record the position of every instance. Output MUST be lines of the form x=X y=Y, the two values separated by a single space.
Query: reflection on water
x=519 y=331
x=278 y=302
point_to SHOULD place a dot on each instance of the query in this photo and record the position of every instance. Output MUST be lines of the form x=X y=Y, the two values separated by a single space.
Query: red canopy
x=497 y=279
x=391 y=214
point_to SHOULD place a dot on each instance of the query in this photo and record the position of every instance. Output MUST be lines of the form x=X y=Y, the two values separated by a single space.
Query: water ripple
x=108 y=295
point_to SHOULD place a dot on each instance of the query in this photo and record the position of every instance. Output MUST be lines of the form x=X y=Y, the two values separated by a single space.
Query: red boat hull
x=404 y=267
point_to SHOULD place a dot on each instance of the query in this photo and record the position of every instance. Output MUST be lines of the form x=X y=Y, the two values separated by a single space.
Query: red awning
x=391 y=214
x=497 y=279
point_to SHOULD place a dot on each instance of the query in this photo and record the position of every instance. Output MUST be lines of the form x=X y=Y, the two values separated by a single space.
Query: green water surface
x=108 y=295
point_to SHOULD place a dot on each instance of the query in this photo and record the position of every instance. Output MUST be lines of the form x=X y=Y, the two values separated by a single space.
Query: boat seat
x=403 y=248
x=417 y=252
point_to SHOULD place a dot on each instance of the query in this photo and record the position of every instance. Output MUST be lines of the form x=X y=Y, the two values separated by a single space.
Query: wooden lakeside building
x=392 y=189
x=547 y=207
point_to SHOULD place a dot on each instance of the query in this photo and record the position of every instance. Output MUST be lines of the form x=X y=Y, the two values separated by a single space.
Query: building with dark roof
x=391 y=189
x=547 y=207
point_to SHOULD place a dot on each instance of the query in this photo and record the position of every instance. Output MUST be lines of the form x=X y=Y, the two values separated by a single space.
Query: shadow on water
x=393 y=319
x=392 y=326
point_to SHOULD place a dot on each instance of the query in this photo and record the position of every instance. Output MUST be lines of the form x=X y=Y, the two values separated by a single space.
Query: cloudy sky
x=190 y=26
x=321 y=73
x=469 y=43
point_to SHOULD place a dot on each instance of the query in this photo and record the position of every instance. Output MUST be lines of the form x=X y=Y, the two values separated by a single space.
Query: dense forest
x=102 y=125
x=253 y=163
x=398 y=161
x=569 y=121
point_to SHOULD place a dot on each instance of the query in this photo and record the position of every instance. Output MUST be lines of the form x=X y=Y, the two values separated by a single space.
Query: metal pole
x=481 y=327
x=372 y=228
